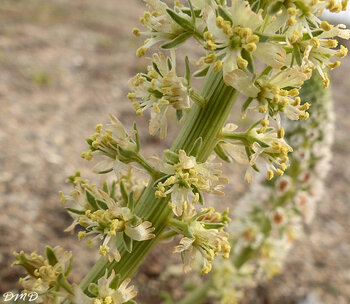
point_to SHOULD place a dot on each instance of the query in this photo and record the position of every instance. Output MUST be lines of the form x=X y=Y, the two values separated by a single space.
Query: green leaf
x=127 y=241
x=171 y=157
x=69 y=268
x=105 y=187
x=201 y=73
x=51 y=257
x=197 y=145
x=112 y=192
x=213 y=225
x=183 y=22
x=196 y=190
x=193 y=14
x=156 y=68
x=91 y=199
x=62 y=281
x=222 y=154
x=179 y=114
x=180 y=39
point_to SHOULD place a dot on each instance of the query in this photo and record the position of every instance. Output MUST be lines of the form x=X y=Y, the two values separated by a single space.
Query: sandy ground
x=64 y=66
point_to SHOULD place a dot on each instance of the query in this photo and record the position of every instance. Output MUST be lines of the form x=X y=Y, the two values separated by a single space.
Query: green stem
x=199 y=295
x=205 y=122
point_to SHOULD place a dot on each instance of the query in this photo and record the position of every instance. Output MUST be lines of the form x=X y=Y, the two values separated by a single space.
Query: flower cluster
x=107 y=291
x=158 y=90
x=46 y=275
x=270 y=217
x=203 y=236
x=259 y=146
x=185 y=178
x=105 y=219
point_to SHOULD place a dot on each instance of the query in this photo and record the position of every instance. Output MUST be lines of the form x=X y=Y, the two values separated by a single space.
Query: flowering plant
x=267 y=52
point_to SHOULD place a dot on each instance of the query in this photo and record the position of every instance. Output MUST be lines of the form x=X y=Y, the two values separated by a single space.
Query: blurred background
x=64 y=66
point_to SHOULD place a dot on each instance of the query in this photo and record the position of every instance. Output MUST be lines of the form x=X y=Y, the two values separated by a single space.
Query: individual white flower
x=229 y=39
x=273 y=93
x=207 y=242
x=106 y=294
x=187 y=177
x=159 y=90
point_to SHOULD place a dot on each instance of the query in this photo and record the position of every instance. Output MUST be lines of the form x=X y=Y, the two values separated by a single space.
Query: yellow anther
x=253 y=38
x=315 y=42
x=147 y=16
x=280 y=133
x=104 y=249
x=98 y=128
x=97 y=301
x=265 y=122
x=297 y=101
x=283 y=93
x=294 y=92
x=292 y=11
x=270 y=175
x=276 y=98
x=141 y=51
x=326 y=81
x=210 y=58
x=291 y=21
x=262 y=109
x=344 y=4
x=227 y=28
x=245 y=32
x=279 y=172
x=334 y=65
x=241 y=62
x=326 y=26
x=156 y=108
x=295 y=37
x=342 y=52
x=331 y=43
x=251 y=47
x=81 y=235
x=131 y=96
x=211 y=45
x=285 y=101
x=153 y=74
x=304 y=116
x=283 y=167
x=305 y=106
x=208 y=36
x=163 y=101
x=220 y=22
x=178 y=4
x=217 y=66
x=136 y=31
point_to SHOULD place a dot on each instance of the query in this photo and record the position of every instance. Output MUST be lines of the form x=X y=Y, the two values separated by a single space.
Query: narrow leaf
x=180 y=39
x=128 y=242
x=183 y=22
x=179 y=114
x=222 y=154
x=201 y=73
x=51 y=257
x=188 y=71
x=62 y=281
x=91 y=199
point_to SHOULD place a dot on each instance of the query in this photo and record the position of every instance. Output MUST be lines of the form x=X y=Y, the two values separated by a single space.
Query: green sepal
x=128 y=242
x=246 y=104
x=180 y=39
x=170 y=67
x=102 y=204
x=247 y=56
x=179 y=115
x=297 y=54
x=76 y=211
x=69 y=268
x=197 y=145
x=115 y=282
x=112 y=191
x=183 y=22
x=105 y=187
x=222 y=154
x=93 y=289
x=105 y=171
x=131 y=204
x=62 y=281
x=171 y=157
x=156 y=68
x=224 y=14
x=213 y=225
x=196 y=190
x=51 y=257
x=137 y=138
x=201 y=73
x=124 y=193
x=91 y=199
x=188 y=71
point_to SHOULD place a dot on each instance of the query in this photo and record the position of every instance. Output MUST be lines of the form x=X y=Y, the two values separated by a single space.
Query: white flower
x=106 y=294
x=207 y=242
x=159 y=90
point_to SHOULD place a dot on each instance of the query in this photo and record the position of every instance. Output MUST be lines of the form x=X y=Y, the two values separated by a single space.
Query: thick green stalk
x=205 y=122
